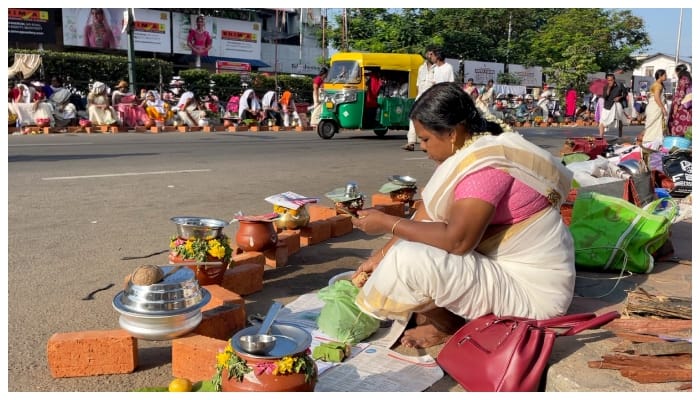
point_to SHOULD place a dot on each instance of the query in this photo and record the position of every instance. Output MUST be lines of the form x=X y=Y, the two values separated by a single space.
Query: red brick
x=381 y=198
x=241 y=257
x=277 y=256
x=315 y=232
x=397 y=209
x=289 y=238
x=318 y=212
x=194 y=356
x=341 y=225
x=222 y=296
x=222 y=322
x=90 y=353
x=244 y=279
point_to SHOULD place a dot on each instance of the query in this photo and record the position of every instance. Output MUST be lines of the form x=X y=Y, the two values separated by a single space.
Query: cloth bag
x=611 y=233
x=508 y=354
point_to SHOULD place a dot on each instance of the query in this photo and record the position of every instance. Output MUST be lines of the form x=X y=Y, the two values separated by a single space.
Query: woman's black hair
x=659 y=73
x=682 y=70
x=445 y=105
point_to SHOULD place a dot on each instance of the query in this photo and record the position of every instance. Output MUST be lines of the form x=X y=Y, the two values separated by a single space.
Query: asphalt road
x=79 y=203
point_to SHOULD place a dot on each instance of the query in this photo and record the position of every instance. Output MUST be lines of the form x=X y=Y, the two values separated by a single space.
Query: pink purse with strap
x=508 y=354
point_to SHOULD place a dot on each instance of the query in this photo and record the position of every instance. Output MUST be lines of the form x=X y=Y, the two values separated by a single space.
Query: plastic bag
x=340 y=317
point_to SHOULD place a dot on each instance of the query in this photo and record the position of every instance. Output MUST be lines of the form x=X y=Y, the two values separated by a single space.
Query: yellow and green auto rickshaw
x=368 y=91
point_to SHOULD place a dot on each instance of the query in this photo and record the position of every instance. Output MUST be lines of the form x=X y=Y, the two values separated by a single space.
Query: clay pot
x=148 y=124
x=403 y=195
x=205 y=274
x=256 y=235
x=267 y=382
x=42 y=122
x=227 y=123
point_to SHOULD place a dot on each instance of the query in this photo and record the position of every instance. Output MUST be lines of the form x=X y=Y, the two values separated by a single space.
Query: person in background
x=442 y=71
x=100 y=111
x=656 y=113
x=470 y=89
x=289 y=108
x=423 y=82
x=64 y=112
x=571 y=100
x=543 y=101
x=487 y=97
x=97 y=32
x=249 y=106
x=188 y=109
x=317 y=85
x=271 y=108
x=612 y=112
x=374 y=86
x=681 y=114
x=158 y=111
x=127 y=106
x=469 y=249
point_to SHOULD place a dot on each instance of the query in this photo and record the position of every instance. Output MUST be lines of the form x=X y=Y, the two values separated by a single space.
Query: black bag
x=678 y=167
x=623 y=92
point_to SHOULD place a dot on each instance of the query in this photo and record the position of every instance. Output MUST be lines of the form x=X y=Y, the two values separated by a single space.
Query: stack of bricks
x=115 y=351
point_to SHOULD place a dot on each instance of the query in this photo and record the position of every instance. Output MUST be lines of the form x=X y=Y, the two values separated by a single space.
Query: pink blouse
x=514 y=201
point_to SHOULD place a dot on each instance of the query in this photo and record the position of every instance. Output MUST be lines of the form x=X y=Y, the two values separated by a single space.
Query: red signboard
x=232 y=66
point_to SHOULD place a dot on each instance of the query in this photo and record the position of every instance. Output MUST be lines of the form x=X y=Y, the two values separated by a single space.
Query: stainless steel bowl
x=257 y=344
x=198 y=227
x=163 y=310
x=403 y=180
x=632 y=167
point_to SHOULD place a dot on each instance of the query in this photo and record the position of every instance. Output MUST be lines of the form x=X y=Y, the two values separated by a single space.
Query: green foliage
x=79 y=68
x=505 y=78
x=197 y=80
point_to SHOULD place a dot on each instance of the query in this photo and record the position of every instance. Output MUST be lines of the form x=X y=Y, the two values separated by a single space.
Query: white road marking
x=49 y=144
x=58 y=178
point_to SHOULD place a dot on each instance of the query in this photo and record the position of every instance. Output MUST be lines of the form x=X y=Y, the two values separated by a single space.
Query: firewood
x=618 y=360
x=643 y=303
x=649 y=326
x=645 y=375
x=657 y=349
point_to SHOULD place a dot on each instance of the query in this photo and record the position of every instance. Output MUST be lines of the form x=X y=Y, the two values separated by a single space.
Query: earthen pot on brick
x=266 y=382
x=256 y=235
x=205 y=274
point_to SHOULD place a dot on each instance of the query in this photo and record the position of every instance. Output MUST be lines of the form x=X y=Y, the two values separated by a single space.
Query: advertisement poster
x=230 y=38
x=151 y=31
x=531 y=76
x=99 y=28
x=31 y=25
x=482 y=71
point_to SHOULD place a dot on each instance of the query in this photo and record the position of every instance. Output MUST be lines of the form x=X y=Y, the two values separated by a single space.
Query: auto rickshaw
x=368 y=91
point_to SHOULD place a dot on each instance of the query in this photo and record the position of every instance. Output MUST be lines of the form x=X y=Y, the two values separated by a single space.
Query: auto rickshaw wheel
x=326 y=129
x=381 y=131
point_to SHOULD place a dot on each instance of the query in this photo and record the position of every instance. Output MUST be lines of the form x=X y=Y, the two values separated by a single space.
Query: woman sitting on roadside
x=157 y=110
x=127 y=105
x=488 y=237
x=100 y=112
x=188 y=110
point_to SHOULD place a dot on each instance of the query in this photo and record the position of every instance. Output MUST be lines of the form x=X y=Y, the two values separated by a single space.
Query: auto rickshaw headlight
x=329 y=105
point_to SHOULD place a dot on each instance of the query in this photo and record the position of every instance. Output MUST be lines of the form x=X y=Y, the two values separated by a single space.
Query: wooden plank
x=641 y=302
x=656 y=349
x=649 y=325
x=618 y=360
x=645 y=375
x=638 y=337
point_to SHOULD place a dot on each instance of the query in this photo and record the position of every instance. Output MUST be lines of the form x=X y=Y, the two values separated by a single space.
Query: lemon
x=180 y=385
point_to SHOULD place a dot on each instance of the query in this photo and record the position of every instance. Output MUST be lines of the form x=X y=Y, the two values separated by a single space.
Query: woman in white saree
x=488 y=238
x=655 y=113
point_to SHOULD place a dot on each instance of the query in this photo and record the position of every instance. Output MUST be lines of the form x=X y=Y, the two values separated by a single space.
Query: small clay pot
x=205 y=274
x=256 y=235
x=266 y=382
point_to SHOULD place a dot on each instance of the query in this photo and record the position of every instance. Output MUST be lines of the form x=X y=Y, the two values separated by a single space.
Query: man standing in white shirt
x=424 y=81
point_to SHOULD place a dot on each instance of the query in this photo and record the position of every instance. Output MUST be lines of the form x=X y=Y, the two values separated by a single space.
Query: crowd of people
x=55 y=105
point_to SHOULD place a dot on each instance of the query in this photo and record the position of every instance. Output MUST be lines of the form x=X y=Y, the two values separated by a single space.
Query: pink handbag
x=508 y=354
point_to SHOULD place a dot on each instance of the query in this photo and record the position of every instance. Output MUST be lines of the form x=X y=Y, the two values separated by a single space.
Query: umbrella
x=598 y=86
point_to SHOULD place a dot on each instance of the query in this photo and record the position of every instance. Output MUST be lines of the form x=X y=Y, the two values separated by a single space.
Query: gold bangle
x=382 y=252
x=393 y=227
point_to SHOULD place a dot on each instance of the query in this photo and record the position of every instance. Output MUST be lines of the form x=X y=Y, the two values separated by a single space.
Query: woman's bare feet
x=433 y=327
x=423 y=336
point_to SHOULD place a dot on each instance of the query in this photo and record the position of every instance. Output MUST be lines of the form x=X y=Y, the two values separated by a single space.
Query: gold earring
x=453 y=147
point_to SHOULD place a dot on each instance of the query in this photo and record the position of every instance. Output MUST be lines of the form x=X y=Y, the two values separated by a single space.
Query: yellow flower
x=222 y=358
x=188 y=246
x=284 y=366
x=216 y=249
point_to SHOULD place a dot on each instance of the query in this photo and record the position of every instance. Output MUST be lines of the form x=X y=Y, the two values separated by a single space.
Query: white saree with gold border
x=526 y=269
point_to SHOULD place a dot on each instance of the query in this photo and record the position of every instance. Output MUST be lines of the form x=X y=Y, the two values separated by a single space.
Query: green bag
x=340 y=317
x=612 y=233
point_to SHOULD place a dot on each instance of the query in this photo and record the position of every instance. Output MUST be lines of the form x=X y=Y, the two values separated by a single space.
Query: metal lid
x=176 y=294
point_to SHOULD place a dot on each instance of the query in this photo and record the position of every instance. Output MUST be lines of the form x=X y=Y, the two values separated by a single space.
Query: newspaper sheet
x=372 y=366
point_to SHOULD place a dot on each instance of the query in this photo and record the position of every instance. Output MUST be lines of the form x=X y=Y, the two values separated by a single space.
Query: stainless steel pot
x=163 y=310
x=198 y=227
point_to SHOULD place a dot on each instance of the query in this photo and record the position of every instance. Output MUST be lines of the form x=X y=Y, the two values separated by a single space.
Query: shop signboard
x=230 y=38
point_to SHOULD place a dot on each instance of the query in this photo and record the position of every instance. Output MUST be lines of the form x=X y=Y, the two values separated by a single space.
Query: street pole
x=130 y=50
x=678 y=42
